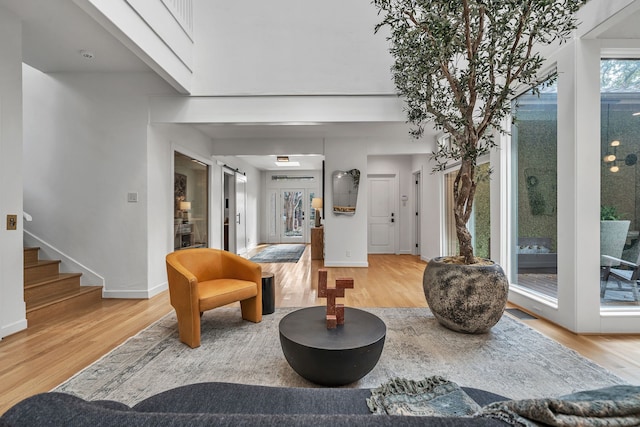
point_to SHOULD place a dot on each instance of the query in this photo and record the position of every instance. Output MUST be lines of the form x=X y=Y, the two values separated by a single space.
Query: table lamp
x=316 y=203
x=185 y=207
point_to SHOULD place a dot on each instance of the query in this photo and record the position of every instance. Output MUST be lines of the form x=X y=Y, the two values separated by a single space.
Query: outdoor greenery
x=620 y=75
x=458 y=64
x=609 y=213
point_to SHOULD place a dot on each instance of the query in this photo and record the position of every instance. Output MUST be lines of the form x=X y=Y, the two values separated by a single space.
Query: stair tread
x=50 y=293
x=52 y=279
x=42 y=262
x=62 y=296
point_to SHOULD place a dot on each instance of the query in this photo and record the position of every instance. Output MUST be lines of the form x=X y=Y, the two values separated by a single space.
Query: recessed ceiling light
x=636 y=114
x=87 y=54
x=282 y=158
x=288 y=163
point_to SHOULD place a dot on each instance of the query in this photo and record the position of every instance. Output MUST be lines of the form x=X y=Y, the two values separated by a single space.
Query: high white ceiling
x=55 y=31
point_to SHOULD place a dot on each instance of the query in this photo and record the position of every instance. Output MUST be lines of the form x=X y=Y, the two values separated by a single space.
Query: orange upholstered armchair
x=202 y=278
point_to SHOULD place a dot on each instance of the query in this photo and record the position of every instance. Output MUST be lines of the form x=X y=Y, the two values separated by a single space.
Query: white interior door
x=229 y=209
x=382 y=218
x=241 y=217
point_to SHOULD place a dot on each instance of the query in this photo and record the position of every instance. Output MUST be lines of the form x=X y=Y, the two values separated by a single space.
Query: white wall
x=289 y=47
x=12 y=307
x=345 y=236
x=85 y=148
x=163 y=140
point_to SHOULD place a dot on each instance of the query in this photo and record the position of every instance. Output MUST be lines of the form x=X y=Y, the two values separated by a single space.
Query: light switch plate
x=12 y=222
x=132 y=197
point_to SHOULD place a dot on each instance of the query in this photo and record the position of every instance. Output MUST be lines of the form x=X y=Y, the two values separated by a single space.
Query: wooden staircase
x=47 y=292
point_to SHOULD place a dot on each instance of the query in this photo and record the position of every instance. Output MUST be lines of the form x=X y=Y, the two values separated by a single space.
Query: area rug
x=280 y=253
x=512 y=360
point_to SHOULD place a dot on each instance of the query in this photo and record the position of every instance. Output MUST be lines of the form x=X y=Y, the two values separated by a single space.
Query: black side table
x=332 y=357
x=268 y=293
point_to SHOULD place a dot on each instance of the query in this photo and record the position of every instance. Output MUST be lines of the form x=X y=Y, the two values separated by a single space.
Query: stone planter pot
x=465 y=298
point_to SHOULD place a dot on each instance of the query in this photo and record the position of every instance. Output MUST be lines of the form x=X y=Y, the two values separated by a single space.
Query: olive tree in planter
x=458 y=65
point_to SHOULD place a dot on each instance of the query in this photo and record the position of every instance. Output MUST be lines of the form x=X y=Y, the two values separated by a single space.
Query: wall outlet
x=12 y=222
x=348 y=254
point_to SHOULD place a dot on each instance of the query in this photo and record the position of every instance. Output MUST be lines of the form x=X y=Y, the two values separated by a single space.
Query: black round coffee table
x=332 y=357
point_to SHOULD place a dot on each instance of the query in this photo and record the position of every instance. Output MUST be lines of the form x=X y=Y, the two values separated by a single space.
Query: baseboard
x=12 y=328
x=345 y=264
x=134 y=294
x=158 y=289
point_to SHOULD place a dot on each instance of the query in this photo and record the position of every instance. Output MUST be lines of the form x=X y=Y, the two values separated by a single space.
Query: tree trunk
x=464 y=189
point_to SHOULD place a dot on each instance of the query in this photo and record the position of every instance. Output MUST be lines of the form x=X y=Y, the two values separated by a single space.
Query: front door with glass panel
x=293 y=227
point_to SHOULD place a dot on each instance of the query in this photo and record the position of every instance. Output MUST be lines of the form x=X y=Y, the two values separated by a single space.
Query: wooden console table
x=317 y=243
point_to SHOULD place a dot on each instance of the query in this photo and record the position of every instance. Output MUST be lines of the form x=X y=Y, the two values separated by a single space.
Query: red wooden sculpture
x=335 y=312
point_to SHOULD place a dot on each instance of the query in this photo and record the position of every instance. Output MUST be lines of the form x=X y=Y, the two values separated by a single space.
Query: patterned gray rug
x=512 y=360
x=280 y=253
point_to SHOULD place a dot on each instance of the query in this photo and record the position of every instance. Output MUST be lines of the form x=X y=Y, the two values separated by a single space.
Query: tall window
x=191 y=203
x=534 y=147
x=619 y=182
x=479 y=224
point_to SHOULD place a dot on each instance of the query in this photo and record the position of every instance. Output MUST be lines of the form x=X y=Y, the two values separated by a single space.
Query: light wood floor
x=42 y=357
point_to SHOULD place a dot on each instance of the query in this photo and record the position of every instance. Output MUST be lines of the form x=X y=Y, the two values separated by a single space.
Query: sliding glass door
x=620 y=184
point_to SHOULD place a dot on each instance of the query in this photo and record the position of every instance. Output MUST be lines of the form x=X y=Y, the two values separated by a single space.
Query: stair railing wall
x=68 y=264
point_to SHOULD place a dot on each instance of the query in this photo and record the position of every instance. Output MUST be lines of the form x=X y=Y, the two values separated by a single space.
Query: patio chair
x=613 y=235
x=628 y=272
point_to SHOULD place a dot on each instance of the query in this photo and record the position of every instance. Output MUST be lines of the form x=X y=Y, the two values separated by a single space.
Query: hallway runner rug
x=280 y=253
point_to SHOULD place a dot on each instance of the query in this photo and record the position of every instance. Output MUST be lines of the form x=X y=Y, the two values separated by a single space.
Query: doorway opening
x=234 y=212
x=191 y=203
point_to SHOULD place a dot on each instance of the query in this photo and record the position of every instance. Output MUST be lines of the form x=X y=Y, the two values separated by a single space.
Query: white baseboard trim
x=158 y=289
x=345 y=264
x=12 y=328
x=122 y=294
x=134 y=294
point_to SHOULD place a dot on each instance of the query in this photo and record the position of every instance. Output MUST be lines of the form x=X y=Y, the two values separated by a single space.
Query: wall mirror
x=345 y=191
